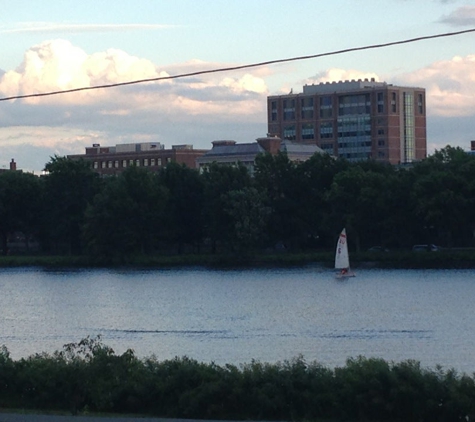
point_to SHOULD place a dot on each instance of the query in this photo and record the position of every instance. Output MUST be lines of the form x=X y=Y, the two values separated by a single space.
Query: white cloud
x=167 y=111
x=462 y=16
x=54 y=27
x=335 y=74
x=450 y=86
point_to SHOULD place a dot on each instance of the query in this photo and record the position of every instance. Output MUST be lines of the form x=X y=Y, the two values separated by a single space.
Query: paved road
x=17 y=417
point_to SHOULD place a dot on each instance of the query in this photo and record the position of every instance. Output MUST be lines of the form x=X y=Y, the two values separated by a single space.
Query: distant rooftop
x=353 y=84
x=232 y=148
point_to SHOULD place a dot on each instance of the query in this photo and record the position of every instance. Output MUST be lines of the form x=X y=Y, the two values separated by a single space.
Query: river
x=234 y=316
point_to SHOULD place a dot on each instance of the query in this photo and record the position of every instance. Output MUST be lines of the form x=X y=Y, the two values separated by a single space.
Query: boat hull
x=340 y=276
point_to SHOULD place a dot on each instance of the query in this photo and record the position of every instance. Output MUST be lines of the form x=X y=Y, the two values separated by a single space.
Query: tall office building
x=356 y=120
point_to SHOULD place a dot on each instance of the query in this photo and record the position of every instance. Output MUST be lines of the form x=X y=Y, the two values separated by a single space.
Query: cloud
x=449 y=84
x=463 y=16
x=53 y=27
x=335 y=74
x=172 y=112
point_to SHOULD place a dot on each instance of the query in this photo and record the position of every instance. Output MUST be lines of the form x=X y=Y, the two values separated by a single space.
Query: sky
x=64 y=44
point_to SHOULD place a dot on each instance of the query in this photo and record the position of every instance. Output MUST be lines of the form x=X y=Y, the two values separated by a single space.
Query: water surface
x=234 y=316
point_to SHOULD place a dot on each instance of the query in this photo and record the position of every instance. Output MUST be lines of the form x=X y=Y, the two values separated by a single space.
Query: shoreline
x=448 y=259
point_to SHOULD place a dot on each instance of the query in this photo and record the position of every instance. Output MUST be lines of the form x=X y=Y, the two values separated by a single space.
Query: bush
x=89 y=376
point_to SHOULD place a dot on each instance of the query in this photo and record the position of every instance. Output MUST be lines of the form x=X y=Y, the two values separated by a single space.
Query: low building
x=232 y=153
x=151 y=155
x=12 y=167
x=472 y=148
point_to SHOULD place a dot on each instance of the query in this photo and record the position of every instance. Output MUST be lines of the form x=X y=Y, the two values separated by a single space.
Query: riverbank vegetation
x=285 y=212
x=89 y=376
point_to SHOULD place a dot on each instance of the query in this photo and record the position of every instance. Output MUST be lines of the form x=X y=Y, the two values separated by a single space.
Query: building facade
x=472 y=148
x=232 y=153
x=108 y=161
x=356 y=120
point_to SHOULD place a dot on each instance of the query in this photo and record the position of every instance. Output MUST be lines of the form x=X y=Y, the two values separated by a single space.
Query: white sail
x=342 y=259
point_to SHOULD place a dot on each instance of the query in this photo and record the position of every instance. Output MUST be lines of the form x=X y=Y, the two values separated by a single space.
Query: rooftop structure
x=231 y=153
x=12 y=167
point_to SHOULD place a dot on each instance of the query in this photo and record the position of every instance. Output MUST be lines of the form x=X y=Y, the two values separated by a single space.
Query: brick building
x=357 y=120
x=150 y=155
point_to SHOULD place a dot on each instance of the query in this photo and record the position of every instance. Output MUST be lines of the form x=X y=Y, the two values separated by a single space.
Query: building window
x=289 y=109
x=327 y=147
x=354 y=137
x=306 y=108
x=393 y=102
x=152 y=162
x=159 y=162
x=409 y=130
x=145 y=162
x=289 y=133
x=124 y=163
x=273 y=112
x=354 y=104
x=420 y=103
x=131 y=162
x=380 y=102
x=381 y=142
x=116 y=164
x=103 y=164
x=326 y=107
x=326 y=130
x=308 y=131
x=109 y=164
x=380 y=131
x=95 y=165
x=137 y=163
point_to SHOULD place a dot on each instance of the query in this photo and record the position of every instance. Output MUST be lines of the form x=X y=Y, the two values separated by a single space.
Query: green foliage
x=125 y=217
x=218 y=181
x=21 y=205
x=89 y=376
x=70 y=186
x=183 y=214
x=301 y=205
x=247 y=208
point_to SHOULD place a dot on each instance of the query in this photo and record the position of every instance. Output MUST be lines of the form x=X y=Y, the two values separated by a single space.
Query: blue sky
x=61 y=44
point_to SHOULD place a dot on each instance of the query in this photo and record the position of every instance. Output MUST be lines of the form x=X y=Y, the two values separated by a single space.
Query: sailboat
x=342 y=259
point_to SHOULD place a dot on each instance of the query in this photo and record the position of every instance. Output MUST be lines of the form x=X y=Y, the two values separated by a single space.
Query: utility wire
x=246 y=66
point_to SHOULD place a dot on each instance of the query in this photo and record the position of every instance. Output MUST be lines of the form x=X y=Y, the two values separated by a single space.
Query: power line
x=246 y=66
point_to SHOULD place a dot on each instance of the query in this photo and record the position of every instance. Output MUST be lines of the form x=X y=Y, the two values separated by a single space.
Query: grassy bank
x=89 y=377
x=446 y=259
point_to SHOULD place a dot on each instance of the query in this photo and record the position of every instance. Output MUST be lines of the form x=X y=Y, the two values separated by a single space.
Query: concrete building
x=151 y=155
x=357 y=120
x=232 y=153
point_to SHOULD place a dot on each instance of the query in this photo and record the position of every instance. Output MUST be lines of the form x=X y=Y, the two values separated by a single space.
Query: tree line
x=297 y=206
x=89 y=376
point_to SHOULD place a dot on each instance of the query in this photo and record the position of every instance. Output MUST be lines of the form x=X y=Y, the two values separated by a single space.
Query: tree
x=20 y=205
x=183 y=216
x=249 y=214
x=444 y=195
x=317 y=175
x=358 y=200
x=70 y=186
x=218 y=181
x=126 y=217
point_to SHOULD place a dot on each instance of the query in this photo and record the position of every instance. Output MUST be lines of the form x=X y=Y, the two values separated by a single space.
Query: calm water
x=237 y=316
